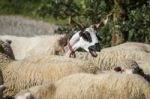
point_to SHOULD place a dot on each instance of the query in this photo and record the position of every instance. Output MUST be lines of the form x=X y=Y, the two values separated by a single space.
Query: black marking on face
x=86 y=36
x=139 y=71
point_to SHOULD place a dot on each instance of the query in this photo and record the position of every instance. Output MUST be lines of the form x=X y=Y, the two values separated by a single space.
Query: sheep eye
x=86 y=36
x=117 y=69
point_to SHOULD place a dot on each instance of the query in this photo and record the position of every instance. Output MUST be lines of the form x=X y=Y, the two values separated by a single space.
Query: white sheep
x=38 y=45
x=111 y=57
x=88 y=86
x=36 y=70
x=129 y=46
x=85 y=39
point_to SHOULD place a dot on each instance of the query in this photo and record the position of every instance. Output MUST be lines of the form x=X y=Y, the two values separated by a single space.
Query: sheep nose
x=95 y=47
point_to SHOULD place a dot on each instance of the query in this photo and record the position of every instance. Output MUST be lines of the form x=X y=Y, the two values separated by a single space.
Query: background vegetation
x=130 y=20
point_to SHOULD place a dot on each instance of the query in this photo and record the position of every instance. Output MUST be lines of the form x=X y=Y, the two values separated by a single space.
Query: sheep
x=33 y=71
x=127 y=66
x=38 y=45
x=36 y=70
x=89 y=86
x=130 y=67
x=85 y=39
x=111 y=57
x=129 y=50
x=129 y=46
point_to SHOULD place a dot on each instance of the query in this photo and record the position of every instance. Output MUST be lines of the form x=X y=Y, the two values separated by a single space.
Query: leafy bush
x=130 y=20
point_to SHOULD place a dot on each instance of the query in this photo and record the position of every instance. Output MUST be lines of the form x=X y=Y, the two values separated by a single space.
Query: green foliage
x=18 y=6
x=130 y=19
x=139 y=24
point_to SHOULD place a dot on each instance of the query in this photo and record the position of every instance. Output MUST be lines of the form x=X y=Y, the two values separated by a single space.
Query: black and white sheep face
x=86 y=39
x=129 y=70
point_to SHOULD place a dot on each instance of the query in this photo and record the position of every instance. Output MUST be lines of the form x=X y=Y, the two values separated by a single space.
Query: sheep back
x=37 y=70
x=88 y=86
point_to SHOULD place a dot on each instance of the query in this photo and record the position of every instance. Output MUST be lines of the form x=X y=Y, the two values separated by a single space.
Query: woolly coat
x=36 y=70
x=134 y=46
x=38 y=45
x=111 y=57
x=89 y=86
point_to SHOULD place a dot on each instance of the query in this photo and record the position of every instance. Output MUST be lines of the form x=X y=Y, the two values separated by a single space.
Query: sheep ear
x=63 y=40
x=2 y=87
x=141 y=72
x=117 y=69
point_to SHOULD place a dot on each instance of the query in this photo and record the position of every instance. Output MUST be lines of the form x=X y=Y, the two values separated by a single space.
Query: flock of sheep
x=38 y=68
x=34 y=68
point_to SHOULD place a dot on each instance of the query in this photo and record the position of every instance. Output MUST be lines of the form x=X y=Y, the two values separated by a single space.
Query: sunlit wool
x=89 y=86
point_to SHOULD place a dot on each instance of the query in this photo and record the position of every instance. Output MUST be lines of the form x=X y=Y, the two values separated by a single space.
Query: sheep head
x=5 y=47
x=87 y=37
x=129 y=71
